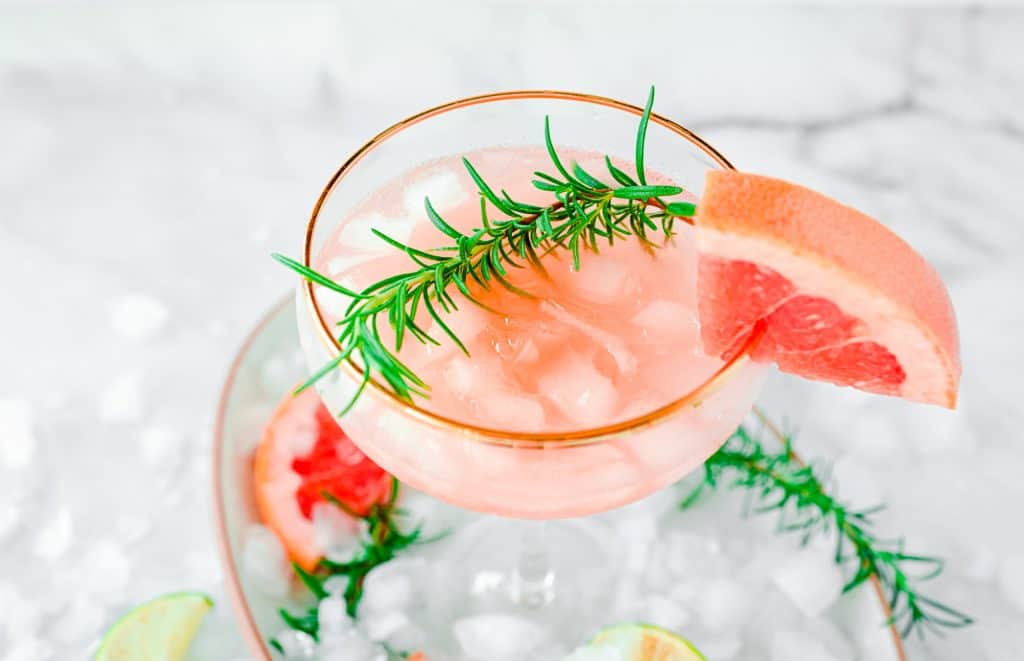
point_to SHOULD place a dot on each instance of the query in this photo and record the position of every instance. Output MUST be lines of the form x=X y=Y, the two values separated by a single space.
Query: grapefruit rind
x=275 y=485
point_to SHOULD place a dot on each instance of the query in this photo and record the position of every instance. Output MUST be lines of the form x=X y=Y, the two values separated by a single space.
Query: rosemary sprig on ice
x=382 y=541
x=585 y=211
x=780 y=482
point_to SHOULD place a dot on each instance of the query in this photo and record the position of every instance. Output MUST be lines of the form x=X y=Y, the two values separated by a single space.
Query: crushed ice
x=137 y=316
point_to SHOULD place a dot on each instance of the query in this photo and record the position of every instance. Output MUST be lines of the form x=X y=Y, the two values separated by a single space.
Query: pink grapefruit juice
x=611 y=342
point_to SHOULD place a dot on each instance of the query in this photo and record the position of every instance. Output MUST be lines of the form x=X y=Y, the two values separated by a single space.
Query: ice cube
x=332 y=616
x=667 y=322
x=724 y=604
x=137 y=316
x=1011 y=580
x=332 y=528
x=392 y=586
x=624 y=359
x=442 y=186
x=629 y=599
x=468 y=322
x=418 y=510
x=790 y=645
x=580 y=392
x=811 y=579
x=856 y=483
x=509 y=410
x=17 y=442
x=380 y=626
x=296 y=644
x=121 y=400
x=161 y=446
x=350 y=646
x=409 y=637
x=264 y=562
x=333 y=303
x=498 y=637
x=357 y=235
x=688 y=553
x=54 y=537
x=335 y=585
x=600 y=280
x=475 y=376
x=666 y=612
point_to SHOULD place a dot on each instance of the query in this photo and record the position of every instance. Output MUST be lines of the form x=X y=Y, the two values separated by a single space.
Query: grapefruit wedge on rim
x=303 y=455
x=841 y=298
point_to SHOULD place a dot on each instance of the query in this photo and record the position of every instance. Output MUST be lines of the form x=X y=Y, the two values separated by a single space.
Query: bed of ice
x=736 y=589
x=151 y=158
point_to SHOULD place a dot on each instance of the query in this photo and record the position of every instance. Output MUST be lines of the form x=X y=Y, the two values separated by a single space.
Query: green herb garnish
x=781 y=483
x=384 y=539
x=585 y=212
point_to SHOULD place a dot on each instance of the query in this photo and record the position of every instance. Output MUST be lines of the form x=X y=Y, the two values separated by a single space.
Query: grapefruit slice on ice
x=842 y=298
x=302 y=455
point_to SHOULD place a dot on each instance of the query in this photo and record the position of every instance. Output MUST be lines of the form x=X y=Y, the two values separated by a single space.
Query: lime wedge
x=642 y=642
x=158 y=630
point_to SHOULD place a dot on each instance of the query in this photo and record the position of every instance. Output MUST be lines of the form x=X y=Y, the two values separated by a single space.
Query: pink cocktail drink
x=587 y=394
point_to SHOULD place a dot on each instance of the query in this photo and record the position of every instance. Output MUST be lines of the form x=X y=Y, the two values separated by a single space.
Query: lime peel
x=643 y=642
x=161 y=629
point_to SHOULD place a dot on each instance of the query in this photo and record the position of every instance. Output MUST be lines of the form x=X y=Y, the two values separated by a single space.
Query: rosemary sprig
x=384 y=539
x=779 y=482
x=585 y=212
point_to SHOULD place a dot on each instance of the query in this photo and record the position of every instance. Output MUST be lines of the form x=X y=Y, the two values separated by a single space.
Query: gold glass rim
x=487 y=434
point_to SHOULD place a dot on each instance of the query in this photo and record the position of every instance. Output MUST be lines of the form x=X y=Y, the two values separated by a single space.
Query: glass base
x=543 y=579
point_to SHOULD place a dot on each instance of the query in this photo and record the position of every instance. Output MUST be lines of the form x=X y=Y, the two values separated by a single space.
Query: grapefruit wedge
x=303 y=455
x=841 y=298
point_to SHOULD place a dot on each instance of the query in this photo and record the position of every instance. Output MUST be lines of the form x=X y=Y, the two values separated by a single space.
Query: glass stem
x=533 y=580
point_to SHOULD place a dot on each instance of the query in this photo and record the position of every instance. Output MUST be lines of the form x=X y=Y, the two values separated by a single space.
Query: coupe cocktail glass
x=549 y=570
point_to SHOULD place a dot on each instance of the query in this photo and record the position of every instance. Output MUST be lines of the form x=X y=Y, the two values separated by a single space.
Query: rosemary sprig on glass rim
x=780 y=482
x=586 y=211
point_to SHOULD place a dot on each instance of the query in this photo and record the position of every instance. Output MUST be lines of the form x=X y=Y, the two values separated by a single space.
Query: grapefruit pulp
x=302 y=455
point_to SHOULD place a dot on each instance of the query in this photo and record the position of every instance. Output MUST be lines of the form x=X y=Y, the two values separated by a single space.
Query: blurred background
x=152 y=155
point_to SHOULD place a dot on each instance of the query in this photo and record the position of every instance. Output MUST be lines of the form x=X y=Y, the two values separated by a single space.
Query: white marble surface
x=162 y=152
